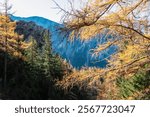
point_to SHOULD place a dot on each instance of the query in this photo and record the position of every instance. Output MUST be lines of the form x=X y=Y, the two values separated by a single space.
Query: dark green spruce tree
x=32 y=53
x=47 y=54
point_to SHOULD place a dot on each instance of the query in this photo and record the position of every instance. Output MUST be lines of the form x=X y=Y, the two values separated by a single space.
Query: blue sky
x=43 y=8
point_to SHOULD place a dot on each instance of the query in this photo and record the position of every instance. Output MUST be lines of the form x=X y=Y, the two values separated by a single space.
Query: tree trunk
x=5 y=65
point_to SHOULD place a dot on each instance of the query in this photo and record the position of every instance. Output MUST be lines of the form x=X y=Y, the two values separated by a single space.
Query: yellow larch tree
x=10 y=42
x=127 y=20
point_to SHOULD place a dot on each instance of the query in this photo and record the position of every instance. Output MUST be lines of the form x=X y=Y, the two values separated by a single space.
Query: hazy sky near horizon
x=43 y=8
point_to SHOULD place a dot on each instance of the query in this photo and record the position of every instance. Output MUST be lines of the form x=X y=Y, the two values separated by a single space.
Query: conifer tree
x=10 y=42
x=126 y=21
x=32 y=52
x=47 y=54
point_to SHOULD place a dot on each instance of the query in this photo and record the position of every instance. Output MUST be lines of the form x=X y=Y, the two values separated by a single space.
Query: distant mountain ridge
x=45 y=23
x=76 y=52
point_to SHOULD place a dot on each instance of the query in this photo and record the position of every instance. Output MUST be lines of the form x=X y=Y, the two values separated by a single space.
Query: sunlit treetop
x=10 y=41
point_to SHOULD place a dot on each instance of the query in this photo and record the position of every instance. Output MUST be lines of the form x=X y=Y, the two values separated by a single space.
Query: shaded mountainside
x=76 y=52
x=28 y=29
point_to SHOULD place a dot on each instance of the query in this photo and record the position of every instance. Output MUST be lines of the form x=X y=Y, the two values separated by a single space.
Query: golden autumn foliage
x=79 y=77
x=128 y=20
x=10 y=41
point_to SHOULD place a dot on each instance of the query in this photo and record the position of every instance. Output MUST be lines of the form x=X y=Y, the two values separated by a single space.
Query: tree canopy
x=128 y=21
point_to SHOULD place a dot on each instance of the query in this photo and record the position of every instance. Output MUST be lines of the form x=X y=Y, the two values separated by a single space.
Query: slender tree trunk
x=5 y=64
x=6 y=38
x=18 y=57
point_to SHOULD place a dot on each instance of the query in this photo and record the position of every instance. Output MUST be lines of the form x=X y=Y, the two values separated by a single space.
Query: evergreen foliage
x=136 y=88
x=37 y=74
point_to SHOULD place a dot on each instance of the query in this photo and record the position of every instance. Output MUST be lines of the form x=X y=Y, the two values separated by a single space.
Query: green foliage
x=136 y=87
x=30 y=84
x=126 y=87
x=47 y=54
x=31 y=53
x=33 y=77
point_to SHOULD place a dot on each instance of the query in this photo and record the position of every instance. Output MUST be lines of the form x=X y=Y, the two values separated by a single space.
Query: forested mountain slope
x=78 y=53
